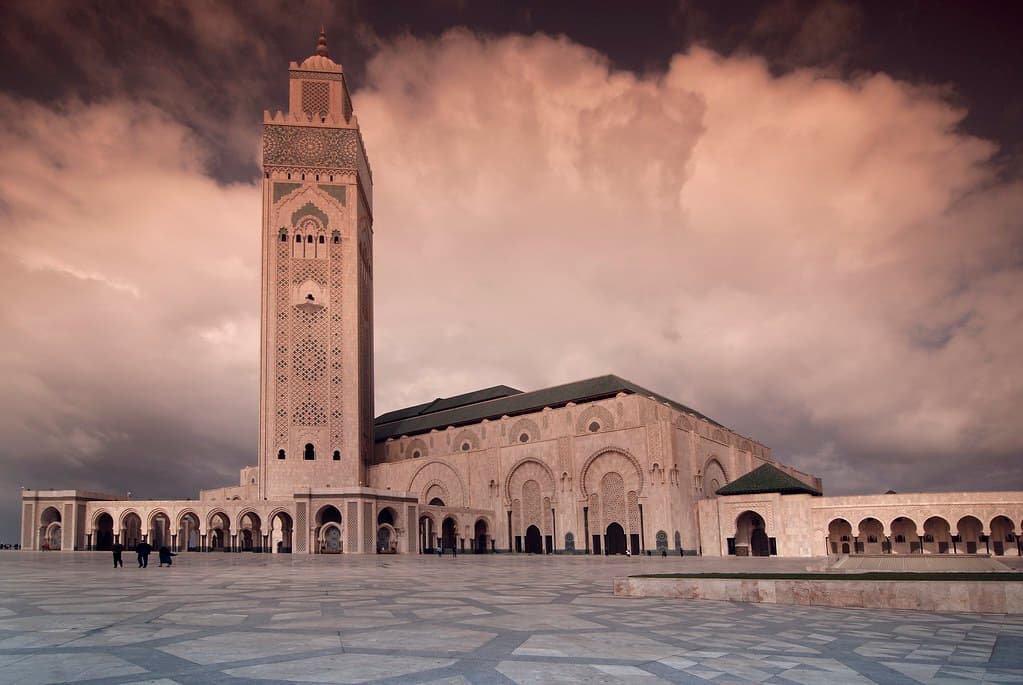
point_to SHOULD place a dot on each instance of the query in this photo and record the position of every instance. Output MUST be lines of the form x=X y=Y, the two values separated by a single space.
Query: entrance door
x=759 y=545
x=448 y=534
x=615 y=539
x=384 y=540
x=332 y=540
x=533 y=540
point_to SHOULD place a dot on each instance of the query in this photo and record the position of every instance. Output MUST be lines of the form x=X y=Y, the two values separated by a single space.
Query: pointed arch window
x=337 y=455
x=280 y=454
x=310 y=452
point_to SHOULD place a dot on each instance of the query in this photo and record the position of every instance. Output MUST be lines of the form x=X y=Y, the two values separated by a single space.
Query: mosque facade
x=598 y=466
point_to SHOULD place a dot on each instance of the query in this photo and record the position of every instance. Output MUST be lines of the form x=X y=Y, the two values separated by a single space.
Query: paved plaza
x=232 y=618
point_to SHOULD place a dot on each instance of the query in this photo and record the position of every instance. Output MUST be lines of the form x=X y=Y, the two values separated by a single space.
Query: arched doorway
x=937 y=536
x=387 y=539
x=751 y=537
x=840 y=536
x=871 y=534
x=159 y=530
x=480 y=536
x=188 y=532
x=220 y=532
x=970 y=529
x=904 y=536
x=131 y=530
x=50 y=529
x=615 y=539
x=1003 y=536
x=328 y=519
x=250 y=532
x=104 y=532
x=280 y=533
x=449 y=533
x=533 y=542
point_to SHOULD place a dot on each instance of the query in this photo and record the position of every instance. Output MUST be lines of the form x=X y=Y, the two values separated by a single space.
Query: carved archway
x=611 y=459
x=443 y=473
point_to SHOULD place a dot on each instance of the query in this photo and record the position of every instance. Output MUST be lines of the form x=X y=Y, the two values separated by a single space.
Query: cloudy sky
x=800 y=218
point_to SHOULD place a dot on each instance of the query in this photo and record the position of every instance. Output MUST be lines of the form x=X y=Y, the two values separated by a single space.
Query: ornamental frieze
x=334 y=148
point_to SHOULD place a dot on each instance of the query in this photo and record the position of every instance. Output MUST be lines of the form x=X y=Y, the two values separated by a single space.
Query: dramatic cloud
x=828 y=265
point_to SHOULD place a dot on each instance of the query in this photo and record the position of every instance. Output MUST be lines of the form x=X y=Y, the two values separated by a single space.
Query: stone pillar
x=88 y=541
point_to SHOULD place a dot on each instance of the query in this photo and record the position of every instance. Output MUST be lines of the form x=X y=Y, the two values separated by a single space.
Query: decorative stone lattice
x=300 y=533
x=528 y=469
x=633 y=502
x=309 y=394
x=523 y=426
x=661 y=540
x=611 y=459
x=465 y=436
x=336 y=348
x=654 y=443
x=569 y=542
x=305 y=146
x=602 y=416
x=309 y=398
x=351 y=527
x=531 y=511
x=309 y=360
x=283 y=338
x=548 y=516
x=416 y=445
x=316 y=98
x=612 y=492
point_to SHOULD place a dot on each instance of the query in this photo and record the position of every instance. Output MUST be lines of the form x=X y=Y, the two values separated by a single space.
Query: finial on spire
x=321 y=45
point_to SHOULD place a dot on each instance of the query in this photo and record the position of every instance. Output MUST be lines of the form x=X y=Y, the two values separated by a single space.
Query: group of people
x=143 y=550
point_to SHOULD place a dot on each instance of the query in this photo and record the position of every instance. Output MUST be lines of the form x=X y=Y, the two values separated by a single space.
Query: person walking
x=117 y=549
x=143 y=549
x=165 y=556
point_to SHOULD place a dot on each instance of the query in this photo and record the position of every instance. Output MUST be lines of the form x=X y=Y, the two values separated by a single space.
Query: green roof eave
x=420 y=419
x=767 y=478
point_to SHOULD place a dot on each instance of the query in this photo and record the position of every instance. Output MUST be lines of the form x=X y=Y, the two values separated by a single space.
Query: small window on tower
x=322 y=240
x=298 y=238
x=309 y=239
x=309 y=453
x=336 y=238
x=337 y=455
x=594 y=427
x=280 y=454
x=284 y=237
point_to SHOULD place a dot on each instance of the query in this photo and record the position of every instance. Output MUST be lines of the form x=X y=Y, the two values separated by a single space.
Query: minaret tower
x=316 y=359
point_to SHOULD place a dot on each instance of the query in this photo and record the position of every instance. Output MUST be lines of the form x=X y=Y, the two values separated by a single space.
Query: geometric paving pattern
x=237 y=618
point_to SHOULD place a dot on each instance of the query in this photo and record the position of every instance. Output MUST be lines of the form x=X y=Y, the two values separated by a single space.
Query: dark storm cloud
x=825 y=261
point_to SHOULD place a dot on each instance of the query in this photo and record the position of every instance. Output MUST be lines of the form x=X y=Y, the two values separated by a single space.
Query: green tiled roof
x=493 y=403
x=767 y=478
x=442 y=403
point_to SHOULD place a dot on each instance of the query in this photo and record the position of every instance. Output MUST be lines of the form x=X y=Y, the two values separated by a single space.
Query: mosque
x=598 y=466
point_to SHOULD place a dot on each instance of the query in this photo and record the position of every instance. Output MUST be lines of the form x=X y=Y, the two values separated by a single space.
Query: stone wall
x=990 y=597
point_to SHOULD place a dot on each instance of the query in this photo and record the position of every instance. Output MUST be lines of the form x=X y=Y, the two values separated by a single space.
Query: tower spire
x=321 y=44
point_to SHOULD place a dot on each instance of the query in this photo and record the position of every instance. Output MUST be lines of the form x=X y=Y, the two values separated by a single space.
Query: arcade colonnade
x=918 y=523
